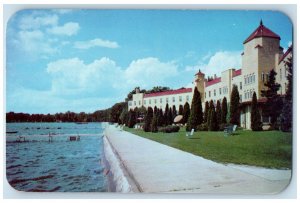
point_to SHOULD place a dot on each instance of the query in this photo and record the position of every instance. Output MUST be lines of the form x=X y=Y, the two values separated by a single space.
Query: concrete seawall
x=137 y=164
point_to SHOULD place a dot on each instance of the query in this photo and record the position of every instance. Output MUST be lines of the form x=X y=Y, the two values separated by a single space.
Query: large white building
x=262 y=53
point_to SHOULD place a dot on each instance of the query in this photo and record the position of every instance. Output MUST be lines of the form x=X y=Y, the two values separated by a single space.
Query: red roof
x=212 y=82
x=237 y=72
x=285 y=54
x=199 y=73
x=261 y=31
x=170 y=92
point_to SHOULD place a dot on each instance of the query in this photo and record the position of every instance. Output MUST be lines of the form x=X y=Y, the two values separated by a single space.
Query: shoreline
x=136 y=168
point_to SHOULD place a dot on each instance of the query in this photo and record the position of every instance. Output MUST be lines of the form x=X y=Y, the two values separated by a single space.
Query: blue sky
x=86 y=60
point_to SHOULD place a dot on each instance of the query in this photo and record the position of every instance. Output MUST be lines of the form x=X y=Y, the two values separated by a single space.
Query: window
x=280 y=74
x=154 y=101
x=263 y=76
x=245 y=95
x=180 y=98
x=245 y=81
x=134 y=103
x=214 y=92
x=208 y=93
x=220 y=91
x=149 y=101
x=167 y=100
x=130 y=103
x=250 y=93
x=145 y=102
x=240 y=98
x=250 y=78
x=267 y=77
x=173 y=99
x=160 y=100
x=241 y=85
x=139 y=103
x=253 y=78
x=187 y=98
x=205 y=95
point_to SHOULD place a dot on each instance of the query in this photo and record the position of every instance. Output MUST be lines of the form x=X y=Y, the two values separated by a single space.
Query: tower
x=199 y=83
x=261 y=53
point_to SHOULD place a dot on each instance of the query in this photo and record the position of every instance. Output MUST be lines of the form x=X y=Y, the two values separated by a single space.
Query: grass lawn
x=272 y=149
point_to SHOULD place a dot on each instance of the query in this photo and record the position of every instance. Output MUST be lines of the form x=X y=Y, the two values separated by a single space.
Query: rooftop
x=262 y=31
x=170 y=92
x=285 y=54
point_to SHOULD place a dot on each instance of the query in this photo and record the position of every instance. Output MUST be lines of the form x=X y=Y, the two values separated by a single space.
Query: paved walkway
x=155 y=167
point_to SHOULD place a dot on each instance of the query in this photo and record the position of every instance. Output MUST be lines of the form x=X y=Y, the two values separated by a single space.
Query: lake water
x=60 y=165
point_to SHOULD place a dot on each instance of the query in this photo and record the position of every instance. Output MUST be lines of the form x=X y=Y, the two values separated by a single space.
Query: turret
x=199 y=83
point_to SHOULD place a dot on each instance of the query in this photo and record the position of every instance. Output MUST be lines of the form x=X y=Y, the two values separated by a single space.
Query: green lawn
x=272 y=149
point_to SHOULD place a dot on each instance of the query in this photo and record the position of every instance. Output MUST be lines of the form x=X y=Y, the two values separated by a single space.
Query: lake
x=61 y=165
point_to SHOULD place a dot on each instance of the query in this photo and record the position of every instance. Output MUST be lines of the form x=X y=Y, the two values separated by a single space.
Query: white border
x=12 y=6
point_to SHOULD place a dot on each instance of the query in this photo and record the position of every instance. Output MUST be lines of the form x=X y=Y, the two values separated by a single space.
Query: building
x=262 y=53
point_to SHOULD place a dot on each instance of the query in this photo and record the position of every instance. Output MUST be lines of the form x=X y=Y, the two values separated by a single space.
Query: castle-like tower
x=199 y=83
x=261 y=54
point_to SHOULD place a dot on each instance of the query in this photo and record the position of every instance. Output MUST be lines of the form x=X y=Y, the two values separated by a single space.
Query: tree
x=256 y=124
x=174 y=111
x=218 y=114
x=196 y=116
x=273 y=105
x=210 y=107
x=124 y=116
x=160 y=118
x=206 y=112
x=154 y=128
x=148 y=120
x=131 y=119
x=116 y=111
x=180 y=112
x=213 y=124
x=155 y=110
x=224 y=111
x=166 y=115
x=287 y=110
x=186 y=113
x=234 y=106
x=170 y=117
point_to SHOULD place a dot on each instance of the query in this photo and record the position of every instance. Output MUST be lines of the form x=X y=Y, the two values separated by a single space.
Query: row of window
x=264 y=77
x=248 y=94
x=160 y=100
x=249 y=79
x=225 y=91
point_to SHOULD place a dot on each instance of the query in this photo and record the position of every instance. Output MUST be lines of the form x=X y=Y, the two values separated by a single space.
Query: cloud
x=218 y=62
x=149 y=72
x=68 y=29
x=32 y=22
x=73 y=78
x=80 y=86
x=33 y=42
x=95 y=43
x=62 y=11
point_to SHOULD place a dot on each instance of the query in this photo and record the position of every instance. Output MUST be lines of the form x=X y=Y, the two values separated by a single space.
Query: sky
x=60 y=60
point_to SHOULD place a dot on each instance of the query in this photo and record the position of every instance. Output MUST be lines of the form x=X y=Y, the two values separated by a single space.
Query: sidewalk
x=154 y=167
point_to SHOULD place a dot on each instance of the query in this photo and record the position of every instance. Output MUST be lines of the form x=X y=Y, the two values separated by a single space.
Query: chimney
x=137 y=90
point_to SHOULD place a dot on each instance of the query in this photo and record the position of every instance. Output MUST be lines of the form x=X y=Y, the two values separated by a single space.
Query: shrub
x=202 y=127
x=169 y=129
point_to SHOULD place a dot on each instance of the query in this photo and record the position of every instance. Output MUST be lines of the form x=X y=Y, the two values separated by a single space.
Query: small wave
x=42 y=190
x=16 y=181
x=13 y=166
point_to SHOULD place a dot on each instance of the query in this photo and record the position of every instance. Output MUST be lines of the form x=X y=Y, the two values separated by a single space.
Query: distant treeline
x=107 y=115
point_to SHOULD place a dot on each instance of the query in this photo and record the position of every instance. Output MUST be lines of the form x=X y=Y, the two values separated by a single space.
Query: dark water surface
x=60 y=165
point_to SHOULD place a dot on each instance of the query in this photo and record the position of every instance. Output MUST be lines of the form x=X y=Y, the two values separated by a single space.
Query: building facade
x=262 y=53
